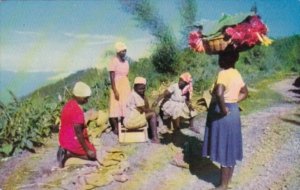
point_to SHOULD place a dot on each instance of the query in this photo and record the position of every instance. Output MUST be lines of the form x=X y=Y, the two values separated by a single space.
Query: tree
x=188 y=12
x=164 y=55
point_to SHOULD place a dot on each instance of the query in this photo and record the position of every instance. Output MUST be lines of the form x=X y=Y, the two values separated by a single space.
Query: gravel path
x=271 y=157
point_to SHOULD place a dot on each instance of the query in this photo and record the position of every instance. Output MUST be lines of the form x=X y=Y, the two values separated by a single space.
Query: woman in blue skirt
x=223 y=137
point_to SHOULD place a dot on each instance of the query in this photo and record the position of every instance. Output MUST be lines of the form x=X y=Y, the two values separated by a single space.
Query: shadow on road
x=191 y=146
x=291 y=121
x=297 y=82
x=297 y=90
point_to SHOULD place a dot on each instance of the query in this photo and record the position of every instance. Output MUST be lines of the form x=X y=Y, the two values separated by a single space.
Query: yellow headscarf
x=81 y=90
x=140 y=80
x=120 y=46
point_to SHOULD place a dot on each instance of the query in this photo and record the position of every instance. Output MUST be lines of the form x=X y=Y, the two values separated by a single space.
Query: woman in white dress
x=175 y=102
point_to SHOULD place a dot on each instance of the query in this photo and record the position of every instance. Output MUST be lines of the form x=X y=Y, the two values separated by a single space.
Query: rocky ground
x=271 y=157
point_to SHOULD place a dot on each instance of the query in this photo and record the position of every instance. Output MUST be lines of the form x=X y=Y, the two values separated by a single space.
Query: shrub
x=164 y=56
x=25 y=123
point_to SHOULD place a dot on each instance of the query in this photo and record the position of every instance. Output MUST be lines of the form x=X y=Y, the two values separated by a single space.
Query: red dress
x=72 y=114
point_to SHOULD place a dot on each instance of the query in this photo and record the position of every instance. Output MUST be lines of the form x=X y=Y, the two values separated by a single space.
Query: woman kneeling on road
x=73 y=136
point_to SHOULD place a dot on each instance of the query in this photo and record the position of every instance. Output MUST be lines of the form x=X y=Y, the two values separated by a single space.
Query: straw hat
x=140 y=80
x=81 y=90
x=120 y=46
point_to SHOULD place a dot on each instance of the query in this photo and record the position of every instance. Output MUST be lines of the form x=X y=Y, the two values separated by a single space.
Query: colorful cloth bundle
x=248 y=33
x=195 y=41
x=239 y=32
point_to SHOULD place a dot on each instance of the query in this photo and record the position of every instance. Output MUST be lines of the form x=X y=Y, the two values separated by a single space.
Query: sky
x=64 y=36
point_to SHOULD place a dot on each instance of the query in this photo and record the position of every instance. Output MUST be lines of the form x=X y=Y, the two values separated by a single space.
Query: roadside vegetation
x=25 y=122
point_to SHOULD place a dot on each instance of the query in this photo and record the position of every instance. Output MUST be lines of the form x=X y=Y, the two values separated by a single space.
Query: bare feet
x=121 y=178
x=178 y=160
x=220 y=188
x=156 y=141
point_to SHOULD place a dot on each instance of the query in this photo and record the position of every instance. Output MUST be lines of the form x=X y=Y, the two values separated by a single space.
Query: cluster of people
x=131 y=108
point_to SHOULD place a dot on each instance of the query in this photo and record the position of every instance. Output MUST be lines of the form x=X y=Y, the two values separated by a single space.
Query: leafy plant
x=25 y=123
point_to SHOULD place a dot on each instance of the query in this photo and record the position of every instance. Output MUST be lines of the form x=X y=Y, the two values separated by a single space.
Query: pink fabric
x=188 y=88
x=195 y=41
x=117 y=108
x=187 y=77
x=246 y=32
x=121 y=69
x=72 y=114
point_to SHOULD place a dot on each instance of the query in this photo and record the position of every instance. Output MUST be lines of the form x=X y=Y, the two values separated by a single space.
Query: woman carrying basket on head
x=223 y=137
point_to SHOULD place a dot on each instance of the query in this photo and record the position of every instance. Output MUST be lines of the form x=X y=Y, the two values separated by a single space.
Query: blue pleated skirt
x=223 y=136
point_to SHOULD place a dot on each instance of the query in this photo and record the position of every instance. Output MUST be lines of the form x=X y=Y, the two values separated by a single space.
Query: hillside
x=39 y=116
x=271 y=157
x=256 y=64
x=260 y=64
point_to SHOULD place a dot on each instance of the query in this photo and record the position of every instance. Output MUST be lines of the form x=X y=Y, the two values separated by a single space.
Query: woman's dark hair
x=137 y=85
x=228 y=59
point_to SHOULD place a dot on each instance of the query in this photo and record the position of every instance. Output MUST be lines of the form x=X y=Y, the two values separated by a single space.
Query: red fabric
x=195 y=41
x=72 y=114
x=246 y=32
x=242 y=35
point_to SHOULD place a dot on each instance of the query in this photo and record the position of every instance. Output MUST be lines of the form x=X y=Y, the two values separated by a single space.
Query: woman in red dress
x=73 y=136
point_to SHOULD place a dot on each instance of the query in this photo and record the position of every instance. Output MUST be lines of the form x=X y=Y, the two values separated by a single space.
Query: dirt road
x=271 y=139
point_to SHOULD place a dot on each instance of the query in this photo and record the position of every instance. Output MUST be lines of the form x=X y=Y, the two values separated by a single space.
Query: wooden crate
x=133 y=135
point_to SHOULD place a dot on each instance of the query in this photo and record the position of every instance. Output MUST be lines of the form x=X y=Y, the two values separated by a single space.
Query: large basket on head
x=221 y=44
x=216 y=44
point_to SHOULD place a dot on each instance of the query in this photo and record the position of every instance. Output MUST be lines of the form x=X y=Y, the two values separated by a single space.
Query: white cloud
x=93 y=39
x=99 y=43
x=90 y=36
x=66 y=56
x=27 y=33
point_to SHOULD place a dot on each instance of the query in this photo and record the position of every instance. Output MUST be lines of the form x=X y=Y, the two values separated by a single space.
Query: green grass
x=263 y=96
